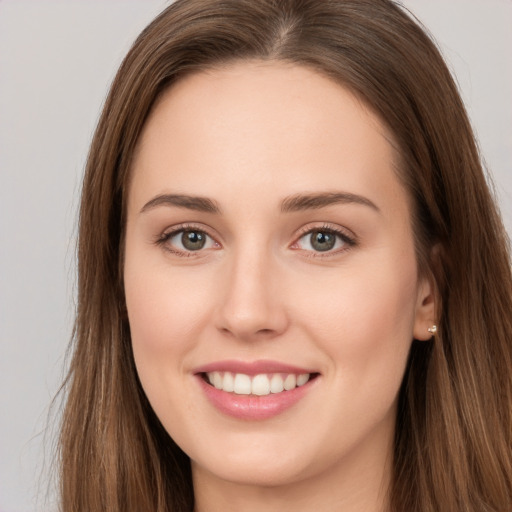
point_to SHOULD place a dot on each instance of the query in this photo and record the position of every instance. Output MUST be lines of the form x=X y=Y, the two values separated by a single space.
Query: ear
x=425 y=310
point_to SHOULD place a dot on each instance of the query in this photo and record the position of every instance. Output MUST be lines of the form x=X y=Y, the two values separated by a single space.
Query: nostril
x=265 y=331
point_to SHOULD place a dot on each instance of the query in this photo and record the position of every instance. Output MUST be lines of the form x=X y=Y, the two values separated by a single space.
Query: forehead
x=259 y=125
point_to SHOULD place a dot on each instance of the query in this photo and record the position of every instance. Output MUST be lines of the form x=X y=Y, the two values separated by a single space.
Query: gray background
x=57 y=59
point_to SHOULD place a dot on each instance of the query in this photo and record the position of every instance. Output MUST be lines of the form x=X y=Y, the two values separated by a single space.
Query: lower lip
x=252 y=407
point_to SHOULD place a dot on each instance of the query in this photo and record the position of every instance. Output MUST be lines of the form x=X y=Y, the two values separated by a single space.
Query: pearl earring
x=432 y=330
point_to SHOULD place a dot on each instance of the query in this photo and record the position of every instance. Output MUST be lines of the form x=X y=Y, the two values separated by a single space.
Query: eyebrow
x=301 y=202
x=196 y=203
x=295 y=203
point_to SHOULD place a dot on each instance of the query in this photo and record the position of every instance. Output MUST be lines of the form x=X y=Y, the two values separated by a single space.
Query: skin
x=248 y=136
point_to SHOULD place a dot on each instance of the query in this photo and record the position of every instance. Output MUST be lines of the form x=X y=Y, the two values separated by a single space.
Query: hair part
x=454 y=426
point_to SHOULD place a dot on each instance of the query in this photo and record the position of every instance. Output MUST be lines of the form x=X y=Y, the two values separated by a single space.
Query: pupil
x=322 y=241
x=193 y=240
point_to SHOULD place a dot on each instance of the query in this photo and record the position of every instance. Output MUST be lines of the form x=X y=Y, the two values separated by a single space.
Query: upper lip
x=251 y=367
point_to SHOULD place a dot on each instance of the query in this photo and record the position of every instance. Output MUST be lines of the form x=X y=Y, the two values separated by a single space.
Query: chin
x=269 y=463
x=255 y=474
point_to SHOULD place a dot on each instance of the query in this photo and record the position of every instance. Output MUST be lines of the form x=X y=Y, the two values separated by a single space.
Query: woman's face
x=269 y=243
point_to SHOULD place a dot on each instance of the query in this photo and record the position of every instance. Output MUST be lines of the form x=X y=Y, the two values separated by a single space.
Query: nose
x=252 y=304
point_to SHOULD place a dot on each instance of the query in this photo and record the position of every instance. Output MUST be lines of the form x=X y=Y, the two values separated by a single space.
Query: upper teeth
x=261 y=384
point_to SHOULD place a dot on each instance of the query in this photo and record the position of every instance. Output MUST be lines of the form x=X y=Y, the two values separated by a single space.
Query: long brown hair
x=454 y=427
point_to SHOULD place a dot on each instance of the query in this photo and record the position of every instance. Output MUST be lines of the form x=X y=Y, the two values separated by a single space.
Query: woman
x=294 y=287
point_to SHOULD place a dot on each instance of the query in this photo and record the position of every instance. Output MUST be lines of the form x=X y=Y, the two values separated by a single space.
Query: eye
x=324 y=240
x=184 y=241
x=190 y=240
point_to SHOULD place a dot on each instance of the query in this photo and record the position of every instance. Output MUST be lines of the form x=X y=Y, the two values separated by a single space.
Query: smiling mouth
x=263 y=384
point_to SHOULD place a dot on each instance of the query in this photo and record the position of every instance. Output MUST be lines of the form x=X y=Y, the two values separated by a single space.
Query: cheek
x=364 y=319
x=165 y=326
x=162 y=305
x=165 y=321
x=150 y=315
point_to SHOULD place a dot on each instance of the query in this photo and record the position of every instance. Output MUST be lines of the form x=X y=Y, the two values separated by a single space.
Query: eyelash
x=167 y=235
x=348 y=241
